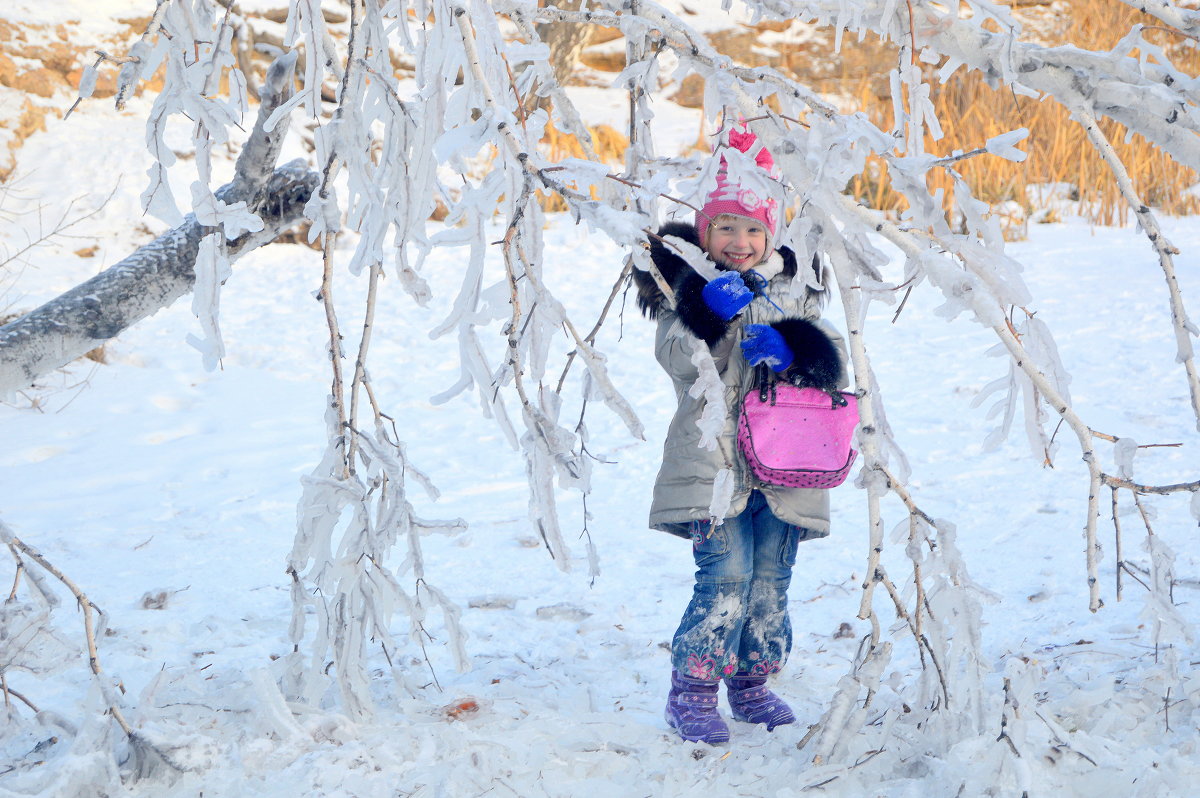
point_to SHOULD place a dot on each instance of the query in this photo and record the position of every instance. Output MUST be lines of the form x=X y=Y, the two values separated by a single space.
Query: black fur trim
x=817 y=362
x=669 y=264
x=693 y=311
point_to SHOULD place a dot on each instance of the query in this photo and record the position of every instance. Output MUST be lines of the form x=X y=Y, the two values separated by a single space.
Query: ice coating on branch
x=708 y=384
x=722 y=496
x=962 y=290
x=31 y=642
x=612 y=397
x=233 y=218
x=1123 y=453
x=547 y=448
x=1004 y=145
x=272 y=707
x=464 y=139
x=87 y=81
x=212 y=270
x=157 y=199
x=1160 y=611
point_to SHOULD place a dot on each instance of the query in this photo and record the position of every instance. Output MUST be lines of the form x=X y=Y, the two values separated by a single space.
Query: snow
x=168 y=493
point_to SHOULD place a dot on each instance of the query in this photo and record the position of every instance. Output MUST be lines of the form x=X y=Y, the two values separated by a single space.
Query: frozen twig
x=60 y=227
x=1161 y=490
x=144 y=748
x=85 y=605
x=1010 y=710
x=925 y=647
x=131 y=71
x=20 y=569
x=1117 y=542
x=590 y=338
x=360 y=378
x=9 y=691
x=1185 y=329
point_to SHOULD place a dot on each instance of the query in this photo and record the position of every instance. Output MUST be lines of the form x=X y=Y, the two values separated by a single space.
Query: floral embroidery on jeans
x=705 y=667
x=760 y=667
x=698 y=668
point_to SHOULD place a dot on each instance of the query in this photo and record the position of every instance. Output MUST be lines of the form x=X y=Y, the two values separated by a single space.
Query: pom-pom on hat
x=737 y=200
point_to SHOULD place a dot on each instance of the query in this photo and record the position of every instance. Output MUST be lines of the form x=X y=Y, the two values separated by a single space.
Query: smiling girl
x=736 y=626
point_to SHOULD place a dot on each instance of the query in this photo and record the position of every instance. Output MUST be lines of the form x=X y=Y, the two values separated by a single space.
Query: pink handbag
x=798 y=437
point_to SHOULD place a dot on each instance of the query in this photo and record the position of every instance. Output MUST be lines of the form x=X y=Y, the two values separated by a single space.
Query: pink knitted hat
x=735 y=200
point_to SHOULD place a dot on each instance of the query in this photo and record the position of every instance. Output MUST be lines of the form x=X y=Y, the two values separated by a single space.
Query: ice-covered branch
x=1184 y=20
x=1149 y=98
x=989 y=313
x=1185 y=329
x=663 y=28
x=147 y=281
x=135 y=63
x=160 y=272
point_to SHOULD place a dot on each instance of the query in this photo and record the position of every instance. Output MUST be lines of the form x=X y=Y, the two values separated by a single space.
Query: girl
x=736 y=626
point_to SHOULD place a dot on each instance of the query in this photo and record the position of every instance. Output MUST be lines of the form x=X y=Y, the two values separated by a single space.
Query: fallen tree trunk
x=160 y=272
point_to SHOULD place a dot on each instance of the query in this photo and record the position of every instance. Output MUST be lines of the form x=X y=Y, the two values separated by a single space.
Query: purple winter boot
x=752 y=702
x=692 y=710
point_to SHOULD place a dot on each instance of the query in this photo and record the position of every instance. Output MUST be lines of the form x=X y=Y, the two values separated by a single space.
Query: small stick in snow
x=1009 y=705
x=808 y=735
x=4 y=688
x=12 y=594
x=1060 y=743
x=1117 y=531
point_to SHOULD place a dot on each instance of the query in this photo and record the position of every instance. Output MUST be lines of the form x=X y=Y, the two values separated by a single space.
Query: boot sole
x=770 y=726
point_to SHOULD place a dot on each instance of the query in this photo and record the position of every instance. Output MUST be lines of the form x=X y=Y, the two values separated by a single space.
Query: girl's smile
x=737 y=242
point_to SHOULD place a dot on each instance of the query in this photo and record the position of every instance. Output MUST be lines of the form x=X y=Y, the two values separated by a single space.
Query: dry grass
x=608 y=144
x=1058 y=150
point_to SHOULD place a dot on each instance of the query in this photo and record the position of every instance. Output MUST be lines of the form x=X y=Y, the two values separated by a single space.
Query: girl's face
x=736 y=242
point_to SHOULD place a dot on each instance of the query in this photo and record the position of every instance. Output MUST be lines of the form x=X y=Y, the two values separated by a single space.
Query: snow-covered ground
x=168 y=494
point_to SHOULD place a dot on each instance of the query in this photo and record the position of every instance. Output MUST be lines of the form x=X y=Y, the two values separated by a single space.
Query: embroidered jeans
x=737 y=622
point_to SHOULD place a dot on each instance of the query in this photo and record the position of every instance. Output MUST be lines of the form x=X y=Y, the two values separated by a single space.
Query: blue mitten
x=727 y=295
x=764 y=344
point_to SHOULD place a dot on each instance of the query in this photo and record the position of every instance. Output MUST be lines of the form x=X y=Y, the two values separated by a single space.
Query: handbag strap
x=766 y=385
x=765 y=382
